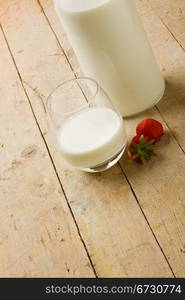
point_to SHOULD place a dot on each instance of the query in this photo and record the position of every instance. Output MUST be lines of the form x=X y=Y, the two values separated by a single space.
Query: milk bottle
x=111 y=46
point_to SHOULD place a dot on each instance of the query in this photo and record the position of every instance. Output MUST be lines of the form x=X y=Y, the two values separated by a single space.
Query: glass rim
x=75 y=79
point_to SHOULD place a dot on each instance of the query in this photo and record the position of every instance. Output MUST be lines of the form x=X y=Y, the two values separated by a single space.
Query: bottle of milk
x=111 y=46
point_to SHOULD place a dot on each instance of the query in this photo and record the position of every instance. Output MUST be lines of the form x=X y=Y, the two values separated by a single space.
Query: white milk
x=112 y=47
x=91 y=137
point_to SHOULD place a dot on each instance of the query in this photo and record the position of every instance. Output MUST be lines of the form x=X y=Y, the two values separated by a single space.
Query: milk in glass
x=91 y=137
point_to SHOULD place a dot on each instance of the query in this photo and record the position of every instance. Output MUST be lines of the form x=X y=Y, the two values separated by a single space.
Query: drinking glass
x=89 y=131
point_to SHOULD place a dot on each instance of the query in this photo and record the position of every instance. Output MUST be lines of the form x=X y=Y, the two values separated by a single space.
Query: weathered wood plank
x=103 y=204
x=163 y=195
x=172 y=14
x=37 y=232
x=161 y=198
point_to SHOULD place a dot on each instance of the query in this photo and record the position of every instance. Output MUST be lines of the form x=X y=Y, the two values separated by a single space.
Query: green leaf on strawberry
x=141 y=149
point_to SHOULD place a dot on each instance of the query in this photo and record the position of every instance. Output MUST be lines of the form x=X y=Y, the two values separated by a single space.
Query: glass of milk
x=90 y=132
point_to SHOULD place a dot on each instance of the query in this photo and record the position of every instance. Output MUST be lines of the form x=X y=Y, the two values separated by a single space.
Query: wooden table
x=57 y=221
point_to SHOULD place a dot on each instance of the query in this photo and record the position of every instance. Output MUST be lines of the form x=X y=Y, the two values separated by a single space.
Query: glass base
x=107 y=164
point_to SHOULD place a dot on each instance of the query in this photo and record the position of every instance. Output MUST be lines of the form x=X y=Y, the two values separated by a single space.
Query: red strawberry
x=150 y=128
x=140 y=149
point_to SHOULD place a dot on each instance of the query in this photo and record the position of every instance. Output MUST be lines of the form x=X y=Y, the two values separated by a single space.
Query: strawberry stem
x=142 y=150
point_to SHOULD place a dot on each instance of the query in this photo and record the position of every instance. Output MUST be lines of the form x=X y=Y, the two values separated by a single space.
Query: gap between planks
x=49 y=154
x=147 y=220
x=165 y=25
x=43 y=12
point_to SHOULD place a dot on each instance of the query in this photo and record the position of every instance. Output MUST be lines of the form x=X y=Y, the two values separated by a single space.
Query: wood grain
x=161 y=198
x=112 y=224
